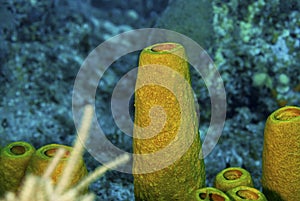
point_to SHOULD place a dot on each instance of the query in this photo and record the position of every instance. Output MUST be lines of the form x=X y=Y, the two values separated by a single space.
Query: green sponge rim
x=22 y=149
x=42 y=152
x=233 y=193
x=241 y=177
x=210 y=191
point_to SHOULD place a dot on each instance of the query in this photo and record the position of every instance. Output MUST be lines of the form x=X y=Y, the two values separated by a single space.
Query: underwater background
x=255 y=46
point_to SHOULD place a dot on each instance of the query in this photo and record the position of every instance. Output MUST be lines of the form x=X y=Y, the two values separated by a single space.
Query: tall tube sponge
x=281 y=155
x=166 y=164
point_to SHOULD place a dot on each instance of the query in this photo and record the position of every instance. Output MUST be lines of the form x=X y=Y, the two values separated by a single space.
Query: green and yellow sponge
x=43 y=156
x=232 y=177
x=245 y=193
x=167 y=164
x=14 y=159
x=281 y=155
x=209 y=194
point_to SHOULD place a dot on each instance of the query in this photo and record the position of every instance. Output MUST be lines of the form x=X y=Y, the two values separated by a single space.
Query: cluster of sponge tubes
x=181 y=181
x=280 y=168
x=20 y=158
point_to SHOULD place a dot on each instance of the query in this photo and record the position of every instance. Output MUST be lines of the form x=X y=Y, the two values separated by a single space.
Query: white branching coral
x=36 y=188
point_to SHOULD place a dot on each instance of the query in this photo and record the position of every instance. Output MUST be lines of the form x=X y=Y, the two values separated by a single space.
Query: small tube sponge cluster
x=20 y=158
x=231 y=184
x=42 y=188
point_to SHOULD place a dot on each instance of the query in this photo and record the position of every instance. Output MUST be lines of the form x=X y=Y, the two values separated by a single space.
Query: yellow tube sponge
x=14 y=159
x=281 y=155
x=209 y=194
x=232 y=177
x=43 y=156
x=243 y=193
x=167 y=164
